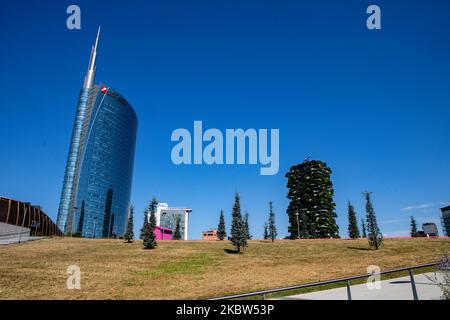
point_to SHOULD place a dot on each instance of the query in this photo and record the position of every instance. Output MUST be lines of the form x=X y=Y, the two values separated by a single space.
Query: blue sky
x=374 y=105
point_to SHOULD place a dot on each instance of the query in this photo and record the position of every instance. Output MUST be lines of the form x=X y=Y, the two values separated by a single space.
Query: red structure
x=210 y=235
x=23 y=214
x=162 y=233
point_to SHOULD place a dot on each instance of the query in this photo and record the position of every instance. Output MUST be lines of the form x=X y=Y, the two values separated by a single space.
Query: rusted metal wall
x=25 y=215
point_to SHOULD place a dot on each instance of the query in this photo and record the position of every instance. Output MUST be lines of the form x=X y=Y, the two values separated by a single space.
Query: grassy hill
x=111 y=269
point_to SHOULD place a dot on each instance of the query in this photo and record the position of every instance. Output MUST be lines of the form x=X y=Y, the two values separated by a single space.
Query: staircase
x=12 y=234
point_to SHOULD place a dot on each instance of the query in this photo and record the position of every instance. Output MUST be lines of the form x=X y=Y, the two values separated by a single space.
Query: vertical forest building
x=311 y=211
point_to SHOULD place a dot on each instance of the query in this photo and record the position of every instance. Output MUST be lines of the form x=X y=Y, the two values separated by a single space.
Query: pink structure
x=162 y=233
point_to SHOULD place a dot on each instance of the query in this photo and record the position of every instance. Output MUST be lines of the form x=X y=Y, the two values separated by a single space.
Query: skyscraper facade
x=97 y=182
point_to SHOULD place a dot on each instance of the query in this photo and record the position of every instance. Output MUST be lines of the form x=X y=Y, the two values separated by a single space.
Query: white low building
x=167 y=217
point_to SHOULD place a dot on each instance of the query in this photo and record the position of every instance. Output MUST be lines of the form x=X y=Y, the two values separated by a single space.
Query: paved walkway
x=393 y=289
x=15 y=239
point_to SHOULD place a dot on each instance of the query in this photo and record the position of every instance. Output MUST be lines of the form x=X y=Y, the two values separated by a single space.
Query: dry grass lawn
x=111 y=269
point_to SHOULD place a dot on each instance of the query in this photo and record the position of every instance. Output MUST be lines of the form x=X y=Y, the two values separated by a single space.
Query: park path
x=392 y=289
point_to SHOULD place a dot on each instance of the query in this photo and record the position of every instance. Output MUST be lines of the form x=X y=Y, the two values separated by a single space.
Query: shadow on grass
x=230 y=251
x=359 y=248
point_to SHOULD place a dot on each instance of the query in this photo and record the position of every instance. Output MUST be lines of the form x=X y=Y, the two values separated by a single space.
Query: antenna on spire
x=98 y=37
x=90 y=75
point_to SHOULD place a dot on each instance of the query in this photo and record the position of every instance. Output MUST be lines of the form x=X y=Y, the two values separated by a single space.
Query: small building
x=162 y=233
x=446 y=220
x=167 y=217
x=430 y=228
x=210 y=235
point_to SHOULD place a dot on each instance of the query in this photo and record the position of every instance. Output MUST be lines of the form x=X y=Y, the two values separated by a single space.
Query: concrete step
x=7 y=230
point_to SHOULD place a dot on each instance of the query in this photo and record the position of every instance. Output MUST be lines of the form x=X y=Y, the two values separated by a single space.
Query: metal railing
x=347 y=280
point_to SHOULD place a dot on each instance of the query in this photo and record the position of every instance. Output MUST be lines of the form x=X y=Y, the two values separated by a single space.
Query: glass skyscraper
x=98 y=176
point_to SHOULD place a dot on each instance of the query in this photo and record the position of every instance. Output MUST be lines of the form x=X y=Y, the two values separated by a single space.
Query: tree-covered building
x=311 y=211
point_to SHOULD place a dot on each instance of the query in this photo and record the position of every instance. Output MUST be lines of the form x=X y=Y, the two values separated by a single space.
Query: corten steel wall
x=24 y=214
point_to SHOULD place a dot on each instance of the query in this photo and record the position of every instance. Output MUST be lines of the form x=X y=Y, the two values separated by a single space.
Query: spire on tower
x=90 y=74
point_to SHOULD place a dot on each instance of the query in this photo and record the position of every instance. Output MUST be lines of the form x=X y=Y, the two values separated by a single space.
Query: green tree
x=373 y=232
x=177 y=232
x=363 y=228
x=248 y=236
x=353 y=230
x=144 y=228
x=311 y=197
x=266 y=231
x=413 y=227
x=272 y=228
x=221 y=232
x=149 y=232
x=238 y=235
x=151 y=208
x=141 y=233
x=129 y=234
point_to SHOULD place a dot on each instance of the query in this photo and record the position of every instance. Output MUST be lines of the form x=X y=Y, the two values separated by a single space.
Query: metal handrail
x=263 y=293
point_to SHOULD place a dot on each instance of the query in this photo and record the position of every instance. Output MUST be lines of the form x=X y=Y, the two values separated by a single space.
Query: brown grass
x=112 y=269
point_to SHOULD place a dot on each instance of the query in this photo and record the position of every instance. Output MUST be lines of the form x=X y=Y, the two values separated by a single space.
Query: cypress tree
x=149 y=232
x=363 y=227
x=141 y=235
x=151 y=208
x=413 y=227
x=266 y=231
x=272 y=229
x=153 y=205
x=248 y=236
x=311 y=197
x=221 y=232
x=353 y=230
x=145 y=229
x=374 y=235
x=177 y=232
x=238 y=235
x=129 y=234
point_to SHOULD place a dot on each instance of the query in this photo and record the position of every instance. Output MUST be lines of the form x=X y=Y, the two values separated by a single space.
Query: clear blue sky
x=374 y=105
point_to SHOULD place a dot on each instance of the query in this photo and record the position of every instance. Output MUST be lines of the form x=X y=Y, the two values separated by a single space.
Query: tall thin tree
x=129 y=234
x=248 y=236
x=413 y=227
x=141 y=235
x=221 y=232
x=363 y=228
x=177 y=232
x=149 y=232
x=353 y=230
x=373 y=232
x=151 y=208
x=238 y=236
x=266 y=231
x=272 y=228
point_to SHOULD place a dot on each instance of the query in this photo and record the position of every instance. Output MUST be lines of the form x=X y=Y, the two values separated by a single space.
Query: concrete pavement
x=393 y=289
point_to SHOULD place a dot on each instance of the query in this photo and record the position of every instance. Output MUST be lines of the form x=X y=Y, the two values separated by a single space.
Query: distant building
x=167 y=217
x=430 y=228
x=210 y=235
x=162 y=233
x=446 y=220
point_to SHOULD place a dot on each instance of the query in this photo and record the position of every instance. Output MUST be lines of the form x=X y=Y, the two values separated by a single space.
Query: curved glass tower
x=97 y=181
